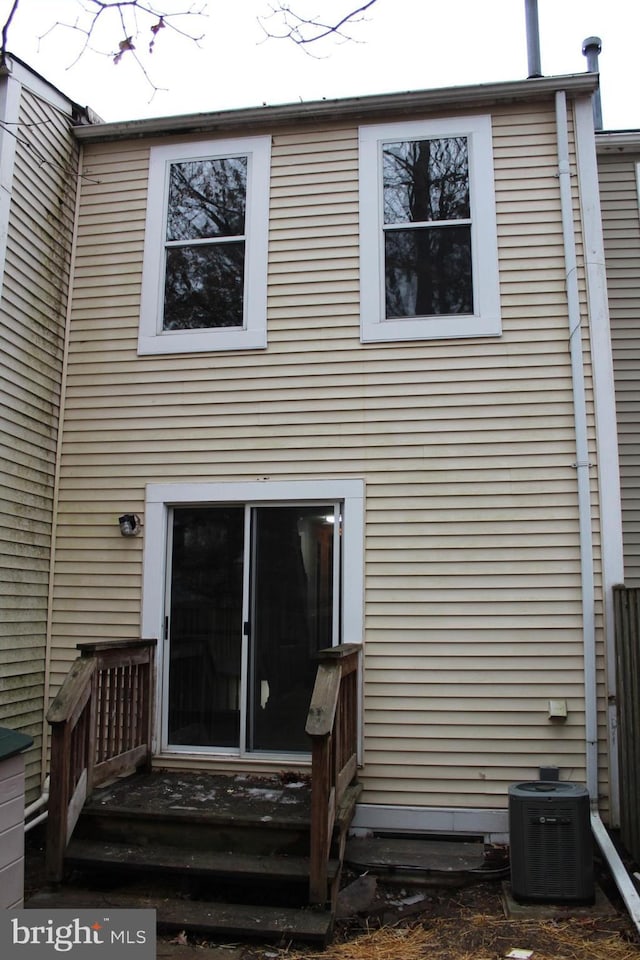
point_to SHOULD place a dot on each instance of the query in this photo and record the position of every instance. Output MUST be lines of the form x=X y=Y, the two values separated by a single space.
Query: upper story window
x=205 y=256
x=429 y=263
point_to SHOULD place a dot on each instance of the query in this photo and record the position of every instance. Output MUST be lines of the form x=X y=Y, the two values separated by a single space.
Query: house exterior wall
x=621 y=224
x=467 y=447
x=38 y=170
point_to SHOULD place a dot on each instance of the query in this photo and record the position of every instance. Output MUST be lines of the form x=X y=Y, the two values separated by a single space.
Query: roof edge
x=352 y=108
x=38 y=84
x=618 y=141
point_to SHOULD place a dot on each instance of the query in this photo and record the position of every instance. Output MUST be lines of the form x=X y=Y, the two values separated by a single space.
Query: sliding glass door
x=253 y=592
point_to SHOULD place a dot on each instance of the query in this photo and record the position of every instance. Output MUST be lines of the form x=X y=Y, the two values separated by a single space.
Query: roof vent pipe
x=533 y=38
x=591 y=48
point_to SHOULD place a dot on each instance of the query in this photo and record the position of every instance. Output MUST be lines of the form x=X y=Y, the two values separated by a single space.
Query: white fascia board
x=40 y=87
x=610 y=497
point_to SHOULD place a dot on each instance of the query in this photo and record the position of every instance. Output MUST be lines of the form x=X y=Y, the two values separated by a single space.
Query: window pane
x=426 y=180
x=204 y=286
x=207 y=199
x=428 y=271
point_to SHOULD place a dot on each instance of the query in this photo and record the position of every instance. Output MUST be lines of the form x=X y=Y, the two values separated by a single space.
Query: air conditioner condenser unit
x=551 y=844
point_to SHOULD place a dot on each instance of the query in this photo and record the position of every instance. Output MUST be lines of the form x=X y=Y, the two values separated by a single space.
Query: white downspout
x=582 y=463
x=620 y=875
x=35 y=806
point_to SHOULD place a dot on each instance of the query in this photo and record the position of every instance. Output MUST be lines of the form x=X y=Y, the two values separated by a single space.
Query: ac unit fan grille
x=551 y=839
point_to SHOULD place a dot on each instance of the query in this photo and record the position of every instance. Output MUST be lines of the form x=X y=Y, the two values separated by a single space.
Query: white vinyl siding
x=472 y=574
x=32 y=317
x=621 y=223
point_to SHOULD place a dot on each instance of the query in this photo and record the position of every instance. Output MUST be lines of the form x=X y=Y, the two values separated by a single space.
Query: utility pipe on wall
x=621 y=877
x=533 y=38
x=42 y=801
x=36 y=821
x=591 y=49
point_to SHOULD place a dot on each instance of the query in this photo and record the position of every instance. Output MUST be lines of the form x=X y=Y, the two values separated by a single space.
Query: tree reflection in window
x=205 y=244
x=427 y=224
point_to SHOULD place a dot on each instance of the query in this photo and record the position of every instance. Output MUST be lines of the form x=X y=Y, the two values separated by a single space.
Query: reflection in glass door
x=292 y=618
x=245 y=623
x=205 y=626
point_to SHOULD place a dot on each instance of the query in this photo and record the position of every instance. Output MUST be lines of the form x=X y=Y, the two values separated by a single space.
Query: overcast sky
x=402 y=45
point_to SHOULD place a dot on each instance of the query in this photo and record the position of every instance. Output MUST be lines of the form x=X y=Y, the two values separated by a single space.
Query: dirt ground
x=412 y=922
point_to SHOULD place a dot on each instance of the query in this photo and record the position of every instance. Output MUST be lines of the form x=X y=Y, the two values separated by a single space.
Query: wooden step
x=200 y=917
x=103 y=854
x=196 y=811
x=193 y=834
x=206 y=798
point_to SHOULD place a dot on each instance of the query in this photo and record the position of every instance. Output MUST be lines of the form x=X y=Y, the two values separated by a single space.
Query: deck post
x=332 y=726
x=58 y=805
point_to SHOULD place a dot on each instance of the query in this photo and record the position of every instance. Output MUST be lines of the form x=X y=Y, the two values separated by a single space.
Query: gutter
x=621 y=877
x=349 y=110
x=618 y=141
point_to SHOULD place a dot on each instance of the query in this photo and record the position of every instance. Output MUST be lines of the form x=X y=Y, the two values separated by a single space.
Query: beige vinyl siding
x=621 y=221
x=32 y=316
x=473 y=614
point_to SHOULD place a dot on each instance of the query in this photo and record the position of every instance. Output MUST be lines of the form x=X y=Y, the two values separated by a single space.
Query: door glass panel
x=292 y=619
x=206 y=626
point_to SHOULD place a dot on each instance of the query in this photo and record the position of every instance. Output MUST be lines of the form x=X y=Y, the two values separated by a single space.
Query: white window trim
x=485 y=321
x=253 y=335
x=160 y=497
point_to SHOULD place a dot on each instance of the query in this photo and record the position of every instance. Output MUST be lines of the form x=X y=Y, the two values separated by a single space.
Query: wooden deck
x=267 y=843
x=214 y=854
x=284 y=797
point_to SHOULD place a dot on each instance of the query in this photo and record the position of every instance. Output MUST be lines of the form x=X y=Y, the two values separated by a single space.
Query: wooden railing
x=332 y=724
x=101 y=722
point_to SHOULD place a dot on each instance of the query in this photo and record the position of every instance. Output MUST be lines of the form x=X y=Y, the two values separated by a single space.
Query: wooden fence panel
x=627 y=628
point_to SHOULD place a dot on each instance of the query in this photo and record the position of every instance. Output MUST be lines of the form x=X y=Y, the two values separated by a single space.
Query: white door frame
x=160 y=497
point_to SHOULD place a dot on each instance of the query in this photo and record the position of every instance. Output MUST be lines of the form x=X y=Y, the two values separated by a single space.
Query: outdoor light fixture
x=130 y=524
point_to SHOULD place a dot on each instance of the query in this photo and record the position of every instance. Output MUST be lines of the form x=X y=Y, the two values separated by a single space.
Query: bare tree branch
x=131 y=28
x=119 y=28
x=307 y=30
x=133 y=17
x=5 y=31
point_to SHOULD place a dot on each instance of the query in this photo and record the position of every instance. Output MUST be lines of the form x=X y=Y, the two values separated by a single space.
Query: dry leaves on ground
x=482 y=938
